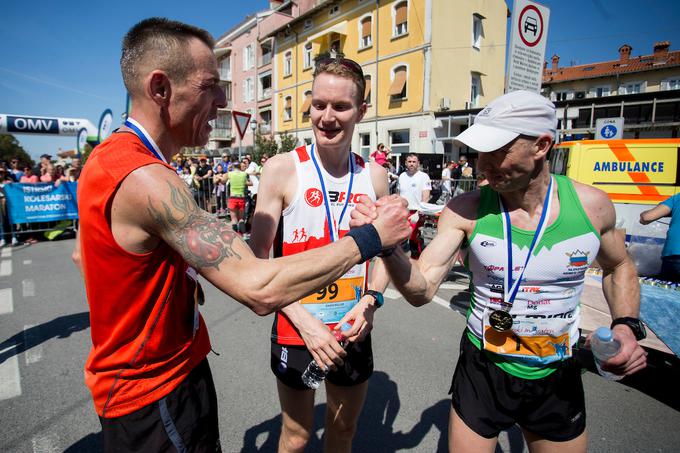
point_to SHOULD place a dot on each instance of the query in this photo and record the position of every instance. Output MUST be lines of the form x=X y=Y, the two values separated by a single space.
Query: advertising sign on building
x=528 y=36
x=609 y=128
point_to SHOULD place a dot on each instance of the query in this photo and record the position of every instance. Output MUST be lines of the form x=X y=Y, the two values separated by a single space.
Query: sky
x=61 y=58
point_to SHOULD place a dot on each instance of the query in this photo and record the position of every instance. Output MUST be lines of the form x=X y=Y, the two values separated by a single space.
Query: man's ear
x=542 y=145
x=158 y=87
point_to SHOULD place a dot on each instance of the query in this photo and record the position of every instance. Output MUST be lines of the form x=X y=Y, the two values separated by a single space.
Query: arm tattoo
x=204 y=240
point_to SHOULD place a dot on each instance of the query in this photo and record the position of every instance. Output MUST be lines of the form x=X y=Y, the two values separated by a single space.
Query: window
x=365 y=145
x=248 y=57
x=287 y=63
x=309 y=23
x=225 y=69
x=266 y=50
x=365 y=39
x=562 y=95
x=671 y=84
x=631 y=88
x=398 y=87
x=308 y=56
x=367 y=91
x=477 y=31
x=335 y=48
x=333 y=10
x=265 y=87
x=598 y=92
x=306 y=104
x=400 y=19
x=475 y=90
x=248 y=90
x=400 y=141
x=287 y=108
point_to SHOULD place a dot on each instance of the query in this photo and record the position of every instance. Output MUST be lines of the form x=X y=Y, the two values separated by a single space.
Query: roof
x=611 y=68
x=303 y=16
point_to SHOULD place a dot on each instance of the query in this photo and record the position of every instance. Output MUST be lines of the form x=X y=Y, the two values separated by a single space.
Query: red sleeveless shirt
x=141 y=305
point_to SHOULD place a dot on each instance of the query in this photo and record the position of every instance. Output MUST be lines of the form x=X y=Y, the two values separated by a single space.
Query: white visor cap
x=506 y=118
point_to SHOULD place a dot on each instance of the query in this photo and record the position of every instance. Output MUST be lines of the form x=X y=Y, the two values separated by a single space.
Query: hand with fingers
x=631 y=357
x=321 y=343
x=388 y=215
x=361 y=318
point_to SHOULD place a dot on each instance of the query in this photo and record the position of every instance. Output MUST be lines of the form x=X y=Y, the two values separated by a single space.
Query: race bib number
x=534 y=341
x=332 y=302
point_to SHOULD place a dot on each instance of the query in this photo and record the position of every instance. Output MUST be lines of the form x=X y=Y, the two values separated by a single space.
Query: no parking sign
x=527 y=46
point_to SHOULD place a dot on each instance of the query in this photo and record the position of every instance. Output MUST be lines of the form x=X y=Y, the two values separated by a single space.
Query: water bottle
x=314 y=374
x=604 y=346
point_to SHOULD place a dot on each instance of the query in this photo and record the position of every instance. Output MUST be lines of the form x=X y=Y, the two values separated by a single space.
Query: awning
x=398 y=83
x=367 y=91
x=307 y=104
x=222 y=51
x=339 y=28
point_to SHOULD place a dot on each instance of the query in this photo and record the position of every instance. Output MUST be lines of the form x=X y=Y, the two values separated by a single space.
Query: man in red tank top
x=143 y=241
x=312 y=187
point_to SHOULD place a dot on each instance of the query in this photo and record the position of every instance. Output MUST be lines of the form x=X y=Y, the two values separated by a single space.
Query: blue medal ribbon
x=510 y=288
x=146 y=139
x=326 y=203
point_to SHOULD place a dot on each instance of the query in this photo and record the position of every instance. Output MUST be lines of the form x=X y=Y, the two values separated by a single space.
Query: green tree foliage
x=11 y=149
x=264 y=144
x=288 y=142
x=87 y=149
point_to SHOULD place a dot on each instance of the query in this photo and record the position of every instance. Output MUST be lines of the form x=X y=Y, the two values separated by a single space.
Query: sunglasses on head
x=346 y=62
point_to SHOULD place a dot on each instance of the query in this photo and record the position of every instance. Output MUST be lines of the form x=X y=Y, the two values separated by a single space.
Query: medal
x=500 y=321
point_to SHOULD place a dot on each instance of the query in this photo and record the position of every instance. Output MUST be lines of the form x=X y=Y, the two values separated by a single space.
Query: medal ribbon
x=510 y=288
x=333 y=227
x=144 y=136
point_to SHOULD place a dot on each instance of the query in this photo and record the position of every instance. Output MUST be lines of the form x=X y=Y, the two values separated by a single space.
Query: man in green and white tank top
x=527 y=238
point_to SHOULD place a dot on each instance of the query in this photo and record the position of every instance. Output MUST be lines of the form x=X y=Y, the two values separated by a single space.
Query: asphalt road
x=45 y=407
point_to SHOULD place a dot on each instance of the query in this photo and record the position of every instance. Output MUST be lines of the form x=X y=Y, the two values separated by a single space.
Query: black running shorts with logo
x=289 y=362
x=185 y=420
x=489 y=400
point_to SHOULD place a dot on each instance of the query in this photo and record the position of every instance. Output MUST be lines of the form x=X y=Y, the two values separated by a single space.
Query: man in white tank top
x=516 y=364
x=311 y=191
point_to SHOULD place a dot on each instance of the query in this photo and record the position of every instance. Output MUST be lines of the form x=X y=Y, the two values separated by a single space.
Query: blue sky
x=61 y=58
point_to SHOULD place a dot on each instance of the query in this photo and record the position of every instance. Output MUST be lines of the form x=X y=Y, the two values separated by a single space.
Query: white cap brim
x=485 y=139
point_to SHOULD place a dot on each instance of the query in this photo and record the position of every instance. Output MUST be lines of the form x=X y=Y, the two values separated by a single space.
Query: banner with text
x=528 y=36
x=41 y=202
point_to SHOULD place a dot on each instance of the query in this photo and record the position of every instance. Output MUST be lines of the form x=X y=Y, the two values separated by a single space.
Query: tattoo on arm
x=204 y=240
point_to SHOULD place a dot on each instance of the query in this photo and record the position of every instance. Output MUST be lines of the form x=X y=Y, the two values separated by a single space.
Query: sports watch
x=377 y=295
x=635 y=325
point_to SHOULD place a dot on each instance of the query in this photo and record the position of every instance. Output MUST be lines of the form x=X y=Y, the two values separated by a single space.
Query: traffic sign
x=609 y=128
x=242 y=120
x=527 y=46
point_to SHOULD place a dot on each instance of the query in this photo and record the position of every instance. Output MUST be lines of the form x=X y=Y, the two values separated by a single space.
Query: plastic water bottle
x=604 y=346
x=314 y=374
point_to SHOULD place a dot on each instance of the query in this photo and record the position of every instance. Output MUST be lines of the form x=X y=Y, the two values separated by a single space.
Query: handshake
x=388 y=215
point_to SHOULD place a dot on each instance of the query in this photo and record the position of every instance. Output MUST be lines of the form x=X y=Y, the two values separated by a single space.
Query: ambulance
x=636 y=174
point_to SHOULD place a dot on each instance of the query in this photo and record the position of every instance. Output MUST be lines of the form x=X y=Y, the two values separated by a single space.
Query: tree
x=288 y=142
x=11 y=149
x=264 y=145
x=87 y=149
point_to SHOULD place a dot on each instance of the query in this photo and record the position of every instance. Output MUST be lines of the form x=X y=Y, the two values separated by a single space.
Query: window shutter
x=398 y=83
x=400 y=14
x=366 y=28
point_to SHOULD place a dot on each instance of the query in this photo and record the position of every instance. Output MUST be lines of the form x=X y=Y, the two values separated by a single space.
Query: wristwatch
x=635 y=325
x=377 y=295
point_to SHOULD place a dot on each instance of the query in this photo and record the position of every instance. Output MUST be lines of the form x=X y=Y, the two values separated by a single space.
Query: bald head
x=159 y=44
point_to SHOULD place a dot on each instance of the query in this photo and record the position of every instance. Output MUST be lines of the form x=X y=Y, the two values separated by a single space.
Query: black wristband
x=368 y=241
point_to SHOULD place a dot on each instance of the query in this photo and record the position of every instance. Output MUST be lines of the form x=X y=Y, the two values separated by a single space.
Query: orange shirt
x=141 y=305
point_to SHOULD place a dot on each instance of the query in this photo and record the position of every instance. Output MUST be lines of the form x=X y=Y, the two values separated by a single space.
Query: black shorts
x=184 y=420
x=489 y=400
x=289 y=362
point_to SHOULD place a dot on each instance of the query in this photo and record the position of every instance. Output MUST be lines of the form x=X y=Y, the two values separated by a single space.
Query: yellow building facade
x=411 y=52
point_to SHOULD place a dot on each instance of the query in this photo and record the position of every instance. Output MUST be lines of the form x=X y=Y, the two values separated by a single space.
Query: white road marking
x=5 y=268
x=27 y=262
x=453 y=285
x=6 y=253
x=28 y=287
x=6 y=301
x=46 y=443
x=391 y=294
x=31 y=337
x=10 y=380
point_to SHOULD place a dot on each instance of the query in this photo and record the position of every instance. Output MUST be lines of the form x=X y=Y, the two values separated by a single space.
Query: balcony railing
x=265 y=59
x=265 y=128
x=265 y=94
x=221 y=133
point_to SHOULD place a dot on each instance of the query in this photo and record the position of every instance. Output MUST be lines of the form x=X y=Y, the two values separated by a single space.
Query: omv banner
x=41 y=202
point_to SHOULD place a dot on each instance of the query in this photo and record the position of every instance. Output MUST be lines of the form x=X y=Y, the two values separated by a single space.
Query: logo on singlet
x=578 y=258
x=313 y=197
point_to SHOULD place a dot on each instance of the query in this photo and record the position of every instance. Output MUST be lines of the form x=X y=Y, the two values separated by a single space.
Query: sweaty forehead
x=326 y=85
